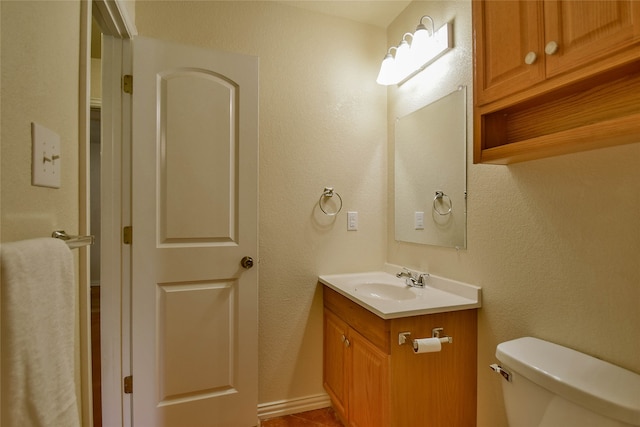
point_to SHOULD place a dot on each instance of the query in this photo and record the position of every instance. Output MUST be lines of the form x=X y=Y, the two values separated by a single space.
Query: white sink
x=382 y=293
x=385 y=291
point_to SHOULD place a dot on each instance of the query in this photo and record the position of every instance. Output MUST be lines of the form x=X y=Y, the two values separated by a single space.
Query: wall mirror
x=430 y=173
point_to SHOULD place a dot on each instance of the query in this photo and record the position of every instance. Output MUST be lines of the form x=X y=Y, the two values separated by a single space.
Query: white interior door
x=194 y=207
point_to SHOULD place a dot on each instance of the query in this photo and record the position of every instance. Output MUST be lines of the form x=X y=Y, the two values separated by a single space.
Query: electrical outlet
x=419 y=221
x=46 y=165
x=352 y=221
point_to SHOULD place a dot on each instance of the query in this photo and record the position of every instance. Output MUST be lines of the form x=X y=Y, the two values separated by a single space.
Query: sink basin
x=386 y=295
x=385 y=291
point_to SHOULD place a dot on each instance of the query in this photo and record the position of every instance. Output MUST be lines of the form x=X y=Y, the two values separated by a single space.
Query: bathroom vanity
x=374 y=380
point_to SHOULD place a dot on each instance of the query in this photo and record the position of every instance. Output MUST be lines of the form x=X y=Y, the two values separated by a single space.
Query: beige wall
x=39 y=83
x=554 y=243
x=40 y=53
x=322 y=123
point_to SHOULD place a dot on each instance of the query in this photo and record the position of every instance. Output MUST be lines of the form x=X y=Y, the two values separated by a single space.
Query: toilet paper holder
x=403 y=337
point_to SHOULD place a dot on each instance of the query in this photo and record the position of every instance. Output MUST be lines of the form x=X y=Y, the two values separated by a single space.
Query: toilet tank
x=554 y=386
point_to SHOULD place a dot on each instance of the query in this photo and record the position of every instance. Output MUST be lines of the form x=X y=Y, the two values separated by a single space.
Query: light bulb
x=387 y=74
x=403 y=61
x=420 y=45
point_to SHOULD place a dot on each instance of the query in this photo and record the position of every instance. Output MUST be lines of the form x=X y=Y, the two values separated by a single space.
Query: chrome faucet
x=413 y=279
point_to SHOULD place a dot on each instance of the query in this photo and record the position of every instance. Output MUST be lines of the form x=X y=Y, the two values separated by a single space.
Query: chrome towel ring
x=440 y=196
x=328 y=193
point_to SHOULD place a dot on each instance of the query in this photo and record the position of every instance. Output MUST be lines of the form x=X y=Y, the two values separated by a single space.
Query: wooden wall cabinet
x=554 y=76
x=375 y=382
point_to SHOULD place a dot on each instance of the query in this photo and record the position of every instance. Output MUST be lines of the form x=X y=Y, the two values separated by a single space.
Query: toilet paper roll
x=426 y=345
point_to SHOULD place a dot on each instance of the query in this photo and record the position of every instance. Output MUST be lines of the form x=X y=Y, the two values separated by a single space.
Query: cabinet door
x=508 y=42
x=334 y=360
x=368 y=383
x=586 y=31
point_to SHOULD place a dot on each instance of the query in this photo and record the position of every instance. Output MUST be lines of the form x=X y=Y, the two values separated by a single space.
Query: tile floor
x=325 y=417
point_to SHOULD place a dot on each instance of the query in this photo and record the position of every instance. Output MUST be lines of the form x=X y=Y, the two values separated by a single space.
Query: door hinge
x=128 y=384
x=127 y=83
x=127 y=235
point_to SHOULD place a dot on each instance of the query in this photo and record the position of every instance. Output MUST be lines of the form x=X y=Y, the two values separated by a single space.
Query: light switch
x=352 y=221
x=419 y=221
x=46 y=164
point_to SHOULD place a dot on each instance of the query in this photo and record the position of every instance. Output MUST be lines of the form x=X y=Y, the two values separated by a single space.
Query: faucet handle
x=405 y=273
x=422 y=278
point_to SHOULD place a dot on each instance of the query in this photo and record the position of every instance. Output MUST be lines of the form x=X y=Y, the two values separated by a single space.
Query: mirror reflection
x=430 y=173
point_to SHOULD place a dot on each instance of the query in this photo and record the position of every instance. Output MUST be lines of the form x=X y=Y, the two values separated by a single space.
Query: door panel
x=586 y=31
x=335 y=366
x=368 y=383
x=507 y=31
x=189 y=346
x=198 y=147
x=194 y=180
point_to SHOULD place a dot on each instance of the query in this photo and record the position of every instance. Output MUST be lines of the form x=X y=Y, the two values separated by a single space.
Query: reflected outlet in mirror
x=430 y=173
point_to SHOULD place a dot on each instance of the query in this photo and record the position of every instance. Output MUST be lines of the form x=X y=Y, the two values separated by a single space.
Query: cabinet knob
x=551 y=48
x=530 y=58
x=347 y=343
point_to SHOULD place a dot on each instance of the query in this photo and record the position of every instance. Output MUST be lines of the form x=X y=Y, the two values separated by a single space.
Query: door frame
x=115 y=22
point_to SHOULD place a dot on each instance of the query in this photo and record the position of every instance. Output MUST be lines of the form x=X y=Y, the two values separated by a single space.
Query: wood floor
x=325 y=417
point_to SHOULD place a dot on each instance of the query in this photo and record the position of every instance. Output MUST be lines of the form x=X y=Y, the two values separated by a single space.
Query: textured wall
x=40 y=53
x=322 y=123
x=554 y=243
x=39 y=83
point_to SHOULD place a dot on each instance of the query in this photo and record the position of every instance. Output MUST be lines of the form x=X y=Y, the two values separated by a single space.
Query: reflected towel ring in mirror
x=328 y=193
x=439 y=199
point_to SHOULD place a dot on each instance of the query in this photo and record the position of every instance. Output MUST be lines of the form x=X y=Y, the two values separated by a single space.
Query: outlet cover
x=352 y=221
x=418 y=223
x=46 y=164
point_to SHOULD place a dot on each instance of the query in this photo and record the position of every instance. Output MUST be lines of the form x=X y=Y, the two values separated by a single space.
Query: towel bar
x=73 y=241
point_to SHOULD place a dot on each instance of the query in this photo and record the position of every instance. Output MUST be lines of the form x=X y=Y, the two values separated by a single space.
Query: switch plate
x=46 y=165
x=352 y=221
x=418 y=221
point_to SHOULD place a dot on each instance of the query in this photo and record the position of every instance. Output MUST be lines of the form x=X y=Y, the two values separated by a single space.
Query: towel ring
x=328 y=192
x=440 y=196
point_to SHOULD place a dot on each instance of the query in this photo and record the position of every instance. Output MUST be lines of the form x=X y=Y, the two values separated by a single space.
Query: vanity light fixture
x=412 y=58
x=404 y=60
x=386 y=75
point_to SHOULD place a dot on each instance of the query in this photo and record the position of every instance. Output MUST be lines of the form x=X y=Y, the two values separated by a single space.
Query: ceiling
x=379 y=13
x=375 y=12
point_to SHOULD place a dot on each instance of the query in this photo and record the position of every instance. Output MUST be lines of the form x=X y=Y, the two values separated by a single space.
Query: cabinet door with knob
x=508 y=37
x=356 y=375
x=521 y=43
x=335 y=356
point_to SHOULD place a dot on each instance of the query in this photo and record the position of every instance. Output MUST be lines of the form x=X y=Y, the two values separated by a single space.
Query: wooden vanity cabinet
x=356 y=371
x=540 y=62
x=375 y=382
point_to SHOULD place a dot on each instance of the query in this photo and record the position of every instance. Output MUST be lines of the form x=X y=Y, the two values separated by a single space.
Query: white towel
x=38 y=334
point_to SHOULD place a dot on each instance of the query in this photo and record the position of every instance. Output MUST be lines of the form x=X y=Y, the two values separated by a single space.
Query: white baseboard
x=293 y=406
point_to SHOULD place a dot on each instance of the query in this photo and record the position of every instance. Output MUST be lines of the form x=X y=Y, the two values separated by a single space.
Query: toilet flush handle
x=499 y=369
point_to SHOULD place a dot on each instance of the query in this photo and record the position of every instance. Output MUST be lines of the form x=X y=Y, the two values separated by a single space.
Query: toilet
x=547 y=385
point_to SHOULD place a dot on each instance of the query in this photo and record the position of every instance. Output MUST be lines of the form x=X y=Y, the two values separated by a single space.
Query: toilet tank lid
x=589 y=382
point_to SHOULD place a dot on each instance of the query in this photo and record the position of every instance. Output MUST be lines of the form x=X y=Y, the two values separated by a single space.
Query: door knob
x=246 y=262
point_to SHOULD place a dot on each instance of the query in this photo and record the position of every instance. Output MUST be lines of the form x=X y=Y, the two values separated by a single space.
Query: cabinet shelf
x=601 y=111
